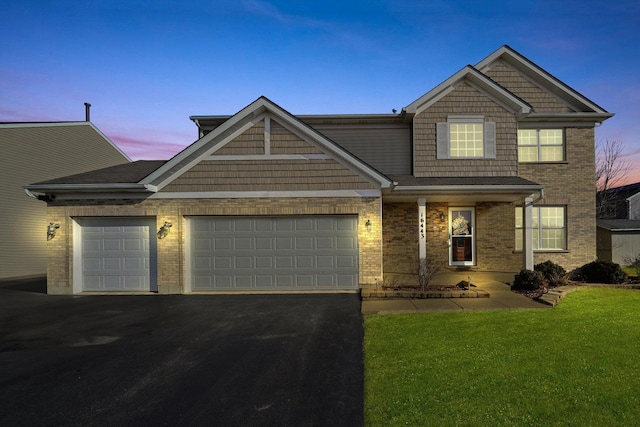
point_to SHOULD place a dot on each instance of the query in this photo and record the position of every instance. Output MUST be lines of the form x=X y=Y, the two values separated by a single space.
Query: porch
x=491 y=292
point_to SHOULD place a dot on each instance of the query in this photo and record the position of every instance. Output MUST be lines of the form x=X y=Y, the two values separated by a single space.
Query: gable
x=517 y=82
x=264 y=149
x=268 y=157
x=465 y=99
x=576 y=102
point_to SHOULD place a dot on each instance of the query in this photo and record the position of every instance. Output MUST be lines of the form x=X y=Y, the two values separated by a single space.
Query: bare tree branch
x=611 y=171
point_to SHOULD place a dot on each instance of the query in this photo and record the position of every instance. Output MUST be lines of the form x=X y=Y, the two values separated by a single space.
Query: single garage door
x=118 y=254
x=273 y=253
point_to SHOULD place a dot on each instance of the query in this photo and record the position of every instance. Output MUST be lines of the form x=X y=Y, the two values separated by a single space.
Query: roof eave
x=525 y=189
x=88 y=188
x=576 y=117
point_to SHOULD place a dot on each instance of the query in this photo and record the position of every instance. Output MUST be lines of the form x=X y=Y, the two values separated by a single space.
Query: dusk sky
x=147 y=65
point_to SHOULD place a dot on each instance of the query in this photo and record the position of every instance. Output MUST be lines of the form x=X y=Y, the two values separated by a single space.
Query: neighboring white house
x=41 y=151
x=618 y=240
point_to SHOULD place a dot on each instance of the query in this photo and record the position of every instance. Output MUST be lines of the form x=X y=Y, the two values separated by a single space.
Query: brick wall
x=171 y=249
x=494 y=232
x=571 y=184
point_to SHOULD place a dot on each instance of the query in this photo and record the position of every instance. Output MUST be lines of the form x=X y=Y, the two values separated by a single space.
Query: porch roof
x=462 y=189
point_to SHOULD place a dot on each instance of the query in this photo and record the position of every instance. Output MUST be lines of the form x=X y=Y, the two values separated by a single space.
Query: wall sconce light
x=51 y=230
x=164 y=230
x=368 y=225
x=441 y=216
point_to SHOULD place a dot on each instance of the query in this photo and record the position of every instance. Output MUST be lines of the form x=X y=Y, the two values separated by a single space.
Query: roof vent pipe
x=87 y=114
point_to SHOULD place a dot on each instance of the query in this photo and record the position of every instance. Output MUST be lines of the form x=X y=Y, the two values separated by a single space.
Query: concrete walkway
x=495 y=283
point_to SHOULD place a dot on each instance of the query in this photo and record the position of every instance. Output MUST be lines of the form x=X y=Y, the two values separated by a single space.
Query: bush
x=601 y=272
x=551 y=272
x=528 y=280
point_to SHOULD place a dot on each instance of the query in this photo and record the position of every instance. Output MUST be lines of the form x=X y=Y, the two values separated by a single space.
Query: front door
x=462 y=236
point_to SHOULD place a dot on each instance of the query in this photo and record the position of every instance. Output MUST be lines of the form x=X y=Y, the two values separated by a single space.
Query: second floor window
x=466 y=137
x=466 y=140
x=540 y=145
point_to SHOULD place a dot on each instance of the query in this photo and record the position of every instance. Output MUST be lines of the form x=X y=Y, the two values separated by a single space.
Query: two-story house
x=491 y=170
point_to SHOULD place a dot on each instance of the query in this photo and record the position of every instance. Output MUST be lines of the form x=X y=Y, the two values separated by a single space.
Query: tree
x=611 y=171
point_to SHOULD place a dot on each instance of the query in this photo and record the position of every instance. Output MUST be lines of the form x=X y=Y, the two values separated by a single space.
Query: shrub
x=528 y=280
x=601 y=272
x=633 y=262
x=551 y=272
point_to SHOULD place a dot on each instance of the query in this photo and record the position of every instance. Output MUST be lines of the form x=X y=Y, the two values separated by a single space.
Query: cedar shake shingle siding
x=519 y=85
x=250 y=142
x=283 y=141
x=268 y=175
x=465 y=100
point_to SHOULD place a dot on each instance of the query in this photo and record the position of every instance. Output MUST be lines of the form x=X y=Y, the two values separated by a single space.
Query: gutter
x=471 y=188
x=44 y=188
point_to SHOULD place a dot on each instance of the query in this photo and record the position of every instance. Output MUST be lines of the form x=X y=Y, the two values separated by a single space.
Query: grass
x=631 y=271
x=577 y=364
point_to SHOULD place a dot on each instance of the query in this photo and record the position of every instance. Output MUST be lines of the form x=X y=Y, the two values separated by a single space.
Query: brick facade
x=171 y=249
x=570 y=184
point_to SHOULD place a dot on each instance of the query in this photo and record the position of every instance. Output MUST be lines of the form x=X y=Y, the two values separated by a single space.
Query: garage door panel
x=116 y=254
x=310 y=252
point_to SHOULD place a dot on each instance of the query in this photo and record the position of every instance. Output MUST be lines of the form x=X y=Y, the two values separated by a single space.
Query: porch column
x=527 y=223
x=422 y=228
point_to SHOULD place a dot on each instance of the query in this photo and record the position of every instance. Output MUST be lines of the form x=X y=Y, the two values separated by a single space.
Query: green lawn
x=577 y=364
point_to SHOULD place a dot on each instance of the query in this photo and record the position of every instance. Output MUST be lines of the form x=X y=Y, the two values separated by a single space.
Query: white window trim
x=539 y=228
x=539 y=146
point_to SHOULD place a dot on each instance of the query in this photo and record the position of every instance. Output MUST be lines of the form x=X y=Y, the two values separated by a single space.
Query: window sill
x=563 y=162
x=546 y=251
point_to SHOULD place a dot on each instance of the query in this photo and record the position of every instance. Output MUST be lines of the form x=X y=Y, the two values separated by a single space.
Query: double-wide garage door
x=117 y=254
x=273 y=253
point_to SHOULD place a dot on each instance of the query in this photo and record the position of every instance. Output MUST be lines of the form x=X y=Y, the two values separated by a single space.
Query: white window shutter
x=442 y=140
x=489 y=140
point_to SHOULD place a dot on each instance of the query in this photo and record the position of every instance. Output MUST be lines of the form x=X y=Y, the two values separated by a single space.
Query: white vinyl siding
x=549 y=228
x=466 y=137
x=540 y=145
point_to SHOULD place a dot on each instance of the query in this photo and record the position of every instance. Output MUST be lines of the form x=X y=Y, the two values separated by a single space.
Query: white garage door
x=118 y=254
x=273 y=253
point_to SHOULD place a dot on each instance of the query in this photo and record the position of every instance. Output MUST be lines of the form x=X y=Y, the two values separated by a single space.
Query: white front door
x=462 y=247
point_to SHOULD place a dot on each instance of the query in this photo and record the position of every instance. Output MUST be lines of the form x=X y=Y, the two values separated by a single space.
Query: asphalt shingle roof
x=127 y=173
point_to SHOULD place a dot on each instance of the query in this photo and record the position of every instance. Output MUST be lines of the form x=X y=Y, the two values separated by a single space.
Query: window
x=466 y=137
x=466 y=140
x=540 y=145
x=549 y=228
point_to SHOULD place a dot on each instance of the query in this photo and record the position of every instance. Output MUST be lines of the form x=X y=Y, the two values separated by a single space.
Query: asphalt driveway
x=179 y=360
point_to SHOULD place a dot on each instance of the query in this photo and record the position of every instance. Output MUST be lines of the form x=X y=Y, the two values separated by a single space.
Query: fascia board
x=110 y=142
x=469 y=188
x=90 y=187
x=577 y=116
x=479 y=80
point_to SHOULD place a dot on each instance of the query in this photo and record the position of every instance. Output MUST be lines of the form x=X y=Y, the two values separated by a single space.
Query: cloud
x=266 y=9
x=146 y=148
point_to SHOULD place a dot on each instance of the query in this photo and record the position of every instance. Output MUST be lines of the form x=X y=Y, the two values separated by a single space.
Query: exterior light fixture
x=164 y=230
x=51 y=230
x=441 y=216
x=368 y=225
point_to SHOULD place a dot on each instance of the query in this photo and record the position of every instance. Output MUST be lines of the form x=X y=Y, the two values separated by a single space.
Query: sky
x=147 y=65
